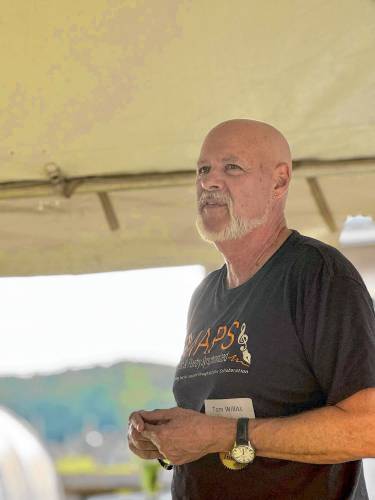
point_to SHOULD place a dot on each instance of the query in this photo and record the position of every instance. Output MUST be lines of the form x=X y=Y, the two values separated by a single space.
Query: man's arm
x=332 y=434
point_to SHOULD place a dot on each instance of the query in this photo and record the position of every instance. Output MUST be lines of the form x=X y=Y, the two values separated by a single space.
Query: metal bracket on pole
x=62 y=185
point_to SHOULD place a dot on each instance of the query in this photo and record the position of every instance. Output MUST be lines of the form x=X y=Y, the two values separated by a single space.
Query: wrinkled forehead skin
x=257 y=142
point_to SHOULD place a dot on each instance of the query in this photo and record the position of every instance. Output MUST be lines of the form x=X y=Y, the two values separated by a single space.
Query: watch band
x=242 y=436
x=165 y=465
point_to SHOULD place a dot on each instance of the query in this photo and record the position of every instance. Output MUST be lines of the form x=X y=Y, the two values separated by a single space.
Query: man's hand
x=183 y=436
x=139 y=444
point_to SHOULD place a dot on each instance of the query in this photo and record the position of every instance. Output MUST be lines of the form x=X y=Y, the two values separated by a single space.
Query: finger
x=147 y=455
x=156 y=415
x=152 y=432
x=136 y=420
x=144 y=445
x=134 y=435
x=140 y=441
x=153 y=428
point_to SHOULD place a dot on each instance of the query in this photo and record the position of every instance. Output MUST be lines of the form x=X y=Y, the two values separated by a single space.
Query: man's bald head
x=260 y=140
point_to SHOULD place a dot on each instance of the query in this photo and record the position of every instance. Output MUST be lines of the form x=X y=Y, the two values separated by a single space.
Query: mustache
x=214 y=196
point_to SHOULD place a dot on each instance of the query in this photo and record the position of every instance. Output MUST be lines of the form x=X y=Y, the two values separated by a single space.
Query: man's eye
x=232 y=166
x=203 y=170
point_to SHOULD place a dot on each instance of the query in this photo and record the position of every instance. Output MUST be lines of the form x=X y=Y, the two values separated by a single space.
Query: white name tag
x=230 y=408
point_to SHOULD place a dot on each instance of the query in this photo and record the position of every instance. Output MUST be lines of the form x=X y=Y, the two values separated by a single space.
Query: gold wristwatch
x=242 y=451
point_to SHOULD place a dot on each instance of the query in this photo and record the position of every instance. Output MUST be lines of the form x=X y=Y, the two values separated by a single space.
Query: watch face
x=243 y=454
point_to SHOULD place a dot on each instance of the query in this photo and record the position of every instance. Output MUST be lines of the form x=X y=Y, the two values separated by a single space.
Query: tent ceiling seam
x=67 y=186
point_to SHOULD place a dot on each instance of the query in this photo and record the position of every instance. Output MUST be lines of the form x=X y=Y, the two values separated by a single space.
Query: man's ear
x=281 y=177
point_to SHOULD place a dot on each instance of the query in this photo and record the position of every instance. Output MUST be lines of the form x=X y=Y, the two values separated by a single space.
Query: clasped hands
x=177 y=434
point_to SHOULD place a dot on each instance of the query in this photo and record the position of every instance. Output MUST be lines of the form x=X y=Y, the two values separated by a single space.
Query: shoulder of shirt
x=314 y=254
x=207 y=282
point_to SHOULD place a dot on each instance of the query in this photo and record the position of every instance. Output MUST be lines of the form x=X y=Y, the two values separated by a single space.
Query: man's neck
x=245 y=256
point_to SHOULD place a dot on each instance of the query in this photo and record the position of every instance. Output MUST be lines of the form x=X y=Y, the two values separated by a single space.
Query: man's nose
x=212 y=181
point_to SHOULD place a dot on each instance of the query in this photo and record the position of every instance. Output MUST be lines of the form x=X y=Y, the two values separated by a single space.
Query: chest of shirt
x=246 y=346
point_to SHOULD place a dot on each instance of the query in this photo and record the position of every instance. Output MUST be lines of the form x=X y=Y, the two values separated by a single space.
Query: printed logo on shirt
x=225 y=344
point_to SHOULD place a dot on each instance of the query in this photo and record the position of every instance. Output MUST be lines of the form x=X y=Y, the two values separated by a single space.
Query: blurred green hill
x=61 y=405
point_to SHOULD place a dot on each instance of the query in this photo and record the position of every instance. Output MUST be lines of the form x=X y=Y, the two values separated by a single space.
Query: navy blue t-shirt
x=299 y=334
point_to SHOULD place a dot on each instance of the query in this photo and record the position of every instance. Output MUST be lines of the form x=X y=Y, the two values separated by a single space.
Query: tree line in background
x=61 y=405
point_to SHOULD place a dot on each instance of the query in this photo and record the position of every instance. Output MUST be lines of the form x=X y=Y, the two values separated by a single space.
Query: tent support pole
x=322 y=203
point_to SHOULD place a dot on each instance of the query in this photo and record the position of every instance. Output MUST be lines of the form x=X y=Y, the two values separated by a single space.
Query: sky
x=50 y=323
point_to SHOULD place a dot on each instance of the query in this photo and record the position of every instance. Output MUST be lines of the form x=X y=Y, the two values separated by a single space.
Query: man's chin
x=211 y=234
x=234 y=230
x=206 y=233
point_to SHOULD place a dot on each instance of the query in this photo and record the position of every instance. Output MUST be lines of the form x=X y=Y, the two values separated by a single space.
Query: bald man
x=275 y=389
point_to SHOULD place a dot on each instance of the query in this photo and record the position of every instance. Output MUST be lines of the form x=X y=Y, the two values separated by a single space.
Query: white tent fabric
x=115 y=88
x=26 y=470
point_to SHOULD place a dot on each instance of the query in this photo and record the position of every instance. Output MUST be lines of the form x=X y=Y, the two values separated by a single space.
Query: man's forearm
x=325 y=435
x=332 y=434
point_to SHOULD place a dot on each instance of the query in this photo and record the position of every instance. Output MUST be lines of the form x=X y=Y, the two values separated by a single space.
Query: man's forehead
x=223 y=159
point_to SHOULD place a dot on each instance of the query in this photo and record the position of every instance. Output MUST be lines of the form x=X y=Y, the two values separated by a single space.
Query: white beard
x=235 y=229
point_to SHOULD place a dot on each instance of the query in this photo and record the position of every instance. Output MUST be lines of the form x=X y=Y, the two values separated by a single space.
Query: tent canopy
x=104 y=106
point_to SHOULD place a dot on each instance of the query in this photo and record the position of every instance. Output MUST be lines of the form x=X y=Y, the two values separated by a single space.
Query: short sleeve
x=338 y=333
